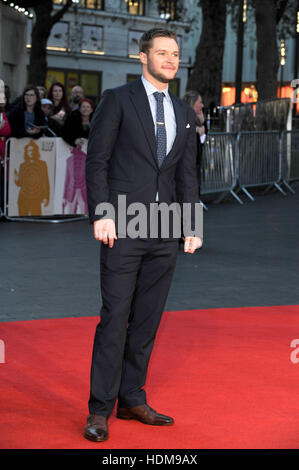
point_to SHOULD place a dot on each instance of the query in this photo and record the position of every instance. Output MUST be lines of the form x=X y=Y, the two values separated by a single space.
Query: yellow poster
x=31 y=177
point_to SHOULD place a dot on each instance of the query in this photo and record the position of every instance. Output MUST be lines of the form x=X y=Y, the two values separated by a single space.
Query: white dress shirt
x=169 y=115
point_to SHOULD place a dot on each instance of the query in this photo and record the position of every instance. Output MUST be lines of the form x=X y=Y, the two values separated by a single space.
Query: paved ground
x=250 y=257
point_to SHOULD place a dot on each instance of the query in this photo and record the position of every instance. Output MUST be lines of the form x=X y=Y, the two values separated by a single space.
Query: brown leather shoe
x=96 y=428
x=145 y=414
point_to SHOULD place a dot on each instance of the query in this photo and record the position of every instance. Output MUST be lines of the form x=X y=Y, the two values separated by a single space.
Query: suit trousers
x=136 y=275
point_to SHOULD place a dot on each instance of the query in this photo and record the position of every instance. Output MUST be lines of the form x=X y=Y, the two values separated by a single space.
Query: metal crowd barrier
x=230 y=163
x=259 y=160
x=55 y=218
x=236 y=162
x=218 y=172
x=290 y=157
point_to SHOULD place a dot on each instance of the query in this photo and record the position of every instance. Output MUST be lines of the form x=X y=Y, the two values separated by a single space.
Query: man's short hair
x=146 y=40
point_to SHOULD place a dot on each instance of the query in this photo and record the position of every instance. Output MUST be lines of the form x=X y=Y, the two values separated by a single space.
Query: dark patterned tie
x=161 y=129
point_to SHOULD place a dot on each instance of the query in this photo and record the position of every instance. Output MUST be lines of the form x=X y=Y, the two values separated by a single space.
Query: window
x=92 y=39
x=174 y=86
x=59 y=37
x=135 y=7
x=133 y=44
x=93 y=4
x=90 y=81
x=167 y=9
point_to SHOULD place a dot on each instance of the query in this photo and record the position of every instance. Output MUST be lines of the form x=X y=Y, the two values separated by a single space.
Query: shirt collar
x=150 y=88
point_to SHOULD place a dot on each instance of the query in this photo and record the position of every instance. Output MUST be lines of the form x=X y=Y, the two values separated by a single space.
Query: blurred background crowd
x=39 y=112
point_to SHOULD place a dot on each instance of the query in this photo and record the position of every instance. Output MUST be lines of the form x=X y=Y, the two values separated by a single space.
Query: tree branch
x=280 y=10
x=59 y=14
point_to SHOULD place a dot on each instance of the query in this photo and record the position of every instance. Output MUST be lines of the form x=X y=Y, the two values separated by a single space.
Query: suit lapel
x=180 y=123
x=140 y=101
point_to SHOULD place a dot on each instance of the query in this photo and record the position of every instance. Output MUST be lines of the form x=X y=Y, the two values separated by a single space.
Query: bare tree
x=206 y=75
x=44 y=22
x=271 y=17
x=267 y=50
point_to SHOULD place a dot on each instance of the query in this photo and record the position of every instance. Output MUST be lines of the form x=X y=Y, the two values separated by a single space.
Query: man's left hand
x=192 y=244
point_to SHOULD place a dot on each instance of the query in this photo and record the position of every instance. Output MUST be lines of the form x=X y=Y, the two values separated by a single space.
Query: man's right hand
x=104 y=231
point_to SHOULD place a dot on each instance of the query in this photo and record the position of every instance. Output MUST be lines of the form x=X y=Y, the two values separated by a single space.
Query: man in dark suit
x=142 y=145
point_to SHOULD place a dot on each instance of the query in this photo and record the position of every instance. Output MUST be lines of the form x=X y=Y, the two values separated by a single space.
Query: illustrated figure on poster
x=33 y=180
x=74 y=195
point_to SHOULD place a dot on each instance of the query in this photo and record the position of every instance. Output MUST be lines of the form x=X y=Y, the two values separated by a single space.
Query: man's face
x=77 y=94
x=162 y=59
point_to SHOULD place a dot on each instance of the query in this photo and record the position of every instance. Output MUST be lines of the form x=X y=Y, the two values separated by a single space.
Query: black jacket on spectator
x=52 y=126
x=200 y=145
x=199 y=153
x=73 y=128
x=17 y=121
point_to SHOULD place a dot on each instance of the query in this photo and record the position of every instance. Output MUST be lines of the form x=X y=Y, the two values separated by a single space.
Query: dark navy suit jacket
x=122 y=155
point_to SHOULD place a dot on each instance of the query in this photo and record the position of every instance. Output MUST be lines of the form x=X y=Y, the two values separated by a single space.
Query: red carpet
x=226 y=376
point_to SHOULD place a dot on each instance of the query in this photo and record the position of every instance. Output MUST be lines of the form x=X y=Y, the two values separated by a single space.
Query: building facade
x=96 y=44
x=13 y=56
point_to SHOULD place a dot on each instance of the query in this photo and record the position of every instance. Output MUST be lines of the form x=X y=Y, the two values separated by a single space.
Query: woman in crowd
x=5 y=130
x=61 y=108
x=27 y=119
x=77 y=124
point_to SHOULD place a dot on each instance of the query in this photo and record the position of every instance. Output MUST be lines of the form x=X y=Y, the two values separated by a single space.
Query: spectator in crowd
x=194 y=99
x=42 y=91
x=77 y=93
x=54 y=129
x=77 y=124
x=4 y=134
x=61 y=107
x=27 y=119
x=16 y=103
x=5 y=130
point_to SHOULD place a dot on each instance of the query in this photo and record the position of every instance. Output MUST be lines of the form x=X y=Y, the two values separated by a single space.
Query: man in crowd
x=77 y=93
